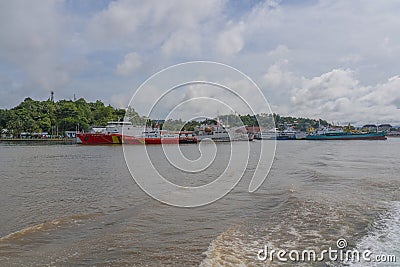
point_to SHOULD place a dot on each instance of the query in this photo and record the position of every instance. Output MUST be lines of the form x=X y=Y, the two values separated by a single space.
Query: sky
x=335 y=60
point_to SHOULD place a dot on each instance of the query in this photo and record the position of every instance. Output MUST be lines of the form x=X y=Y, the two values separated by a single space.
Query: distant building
x=385 y=127
x=5 y=133
x=369 y=128
x=70 y=134
x=40 y=135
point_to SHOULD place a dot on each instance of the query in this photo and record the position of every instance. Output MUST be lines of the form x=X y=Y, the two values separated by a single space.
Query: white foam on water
x=50 y=225
x=302 y=225
x=228 y=249
x=383 y=237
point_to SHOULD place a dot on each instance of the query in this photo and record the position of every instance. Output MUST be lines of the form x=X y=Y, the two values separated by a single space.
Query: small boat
x=187 y=137
x=275 y=134
x=286 y=135
x=266 y=135
x=218 y=133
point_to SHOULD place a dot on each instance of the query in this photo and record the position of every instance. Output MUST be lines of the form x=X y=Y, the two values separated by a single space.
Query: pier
x=39 y=141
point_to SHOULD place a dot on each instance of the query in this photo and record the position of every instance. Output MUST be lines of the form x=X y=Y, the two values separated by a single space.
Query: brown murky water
x=78 y=206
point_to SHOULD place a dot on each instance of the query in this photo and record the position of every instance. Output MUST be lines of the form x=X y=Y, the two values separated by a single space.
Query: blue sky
x=330 y=59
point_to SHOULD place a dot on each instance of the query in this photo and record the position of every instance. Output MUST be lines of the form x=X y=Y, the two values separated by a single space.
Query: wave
x=298 y=224
x=228 y=250
x=383 y=235
x=56 y=223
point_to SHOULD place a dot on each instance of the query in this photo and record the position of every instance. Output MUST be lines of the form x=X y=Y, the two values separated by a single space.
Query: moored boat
x=266 y=135
x=124 y=133
x=275 y=134
x=98 y=139
x=340 y=135
x=108 y=135
x=152 y=137
x=286 y=135
x=218 y=133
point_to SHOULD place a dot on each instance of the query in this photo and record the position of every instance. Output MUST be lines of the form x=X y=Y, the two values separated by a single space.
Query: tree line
x=34 y=116
x=263 y=120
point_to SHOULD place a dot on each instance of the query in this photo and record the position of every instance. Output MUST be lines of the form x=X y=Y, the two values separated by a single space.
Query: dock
x=38 y=141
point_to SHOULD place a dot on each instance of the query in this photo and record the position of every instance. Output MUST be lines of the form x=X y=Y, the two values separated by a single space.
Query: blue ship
x=339 y=135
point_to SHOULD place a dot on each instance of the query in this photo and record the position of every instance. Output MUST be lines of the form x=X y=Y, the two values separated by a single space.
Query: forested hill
x=63 y=115
x=66 y=115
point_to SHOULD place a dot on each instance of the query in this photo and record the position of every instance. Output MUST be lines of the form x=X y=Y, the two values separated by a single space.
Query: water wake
x=46 y=226
x=383 y=236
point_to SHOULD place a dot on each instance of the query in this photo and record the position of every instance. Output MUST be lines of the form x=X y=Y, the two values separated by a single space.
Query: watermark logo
x=201 y=91
x=341 y=253
x=341 y=243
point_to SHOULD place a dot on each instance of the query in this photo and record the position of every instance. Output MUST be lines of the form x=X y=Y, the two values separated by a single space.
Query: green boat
x=339 y=135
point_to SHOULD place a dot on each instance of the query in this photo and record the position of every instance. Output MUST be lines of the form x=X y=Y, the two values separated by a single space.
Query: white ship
x=218 y=133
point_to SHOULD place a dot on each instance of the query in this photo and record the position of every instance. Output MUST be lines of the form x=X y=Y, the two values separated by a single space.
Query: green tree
x=132 y=116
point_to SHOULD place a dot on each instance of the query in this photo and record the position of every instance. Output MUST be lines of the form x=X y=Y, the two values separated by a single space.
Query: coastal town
x=78 y=121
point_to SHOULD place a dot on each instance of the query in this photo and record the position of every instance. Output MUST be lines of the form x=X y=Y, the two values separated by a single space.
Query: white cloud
x=349 y=48
x=182 y=42
x=230 y=41
x=31 y=43
x=346 y=59
x=160 y=24
x=131 y=63
x=278 y=76
x=281 y=51
x=338 y=96
x=119 y=100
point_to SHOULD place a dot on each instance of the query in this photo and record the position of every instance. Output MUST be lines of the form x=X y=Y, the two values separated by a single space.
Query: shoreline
x=44 y=141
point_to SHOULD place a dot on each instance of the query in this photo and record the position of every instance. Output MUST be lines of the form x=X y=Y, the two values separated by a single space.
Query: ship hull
x=130 y=140
x=286 y=137
x=348 y=136
x=117 y=139
x=99 y=139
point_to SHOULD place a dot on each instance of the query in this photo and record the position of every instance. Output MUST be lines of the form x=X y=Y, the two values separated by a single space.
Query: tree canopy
x=67 y=115
x=64 y=115
x=267 y=121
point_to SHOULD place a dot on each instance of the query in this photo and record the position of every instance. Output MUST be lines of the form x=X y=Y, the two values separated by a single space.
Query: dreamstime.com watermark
x=340 y=253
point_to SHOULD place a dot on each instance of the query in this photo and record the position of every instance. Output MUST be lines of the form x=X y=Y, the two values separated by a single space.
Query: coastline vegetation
x=33 y=116
x=263 y=120
x=56 y=117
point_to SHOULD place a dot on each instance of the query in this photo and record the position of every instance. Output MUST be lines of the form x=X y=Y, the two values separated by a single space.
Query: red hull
x=99 y=139
x=117 y=139
x=131 y=140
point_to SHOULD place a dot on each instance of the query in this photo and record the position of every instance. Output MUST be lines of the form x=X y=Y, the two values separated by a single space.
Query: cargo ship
x=108 y=135
x=341 y=135
x=117 y=133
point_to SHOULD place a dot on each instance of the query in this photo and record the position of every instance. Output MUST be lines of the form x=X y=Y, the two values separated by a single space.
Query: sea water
x=78 y=205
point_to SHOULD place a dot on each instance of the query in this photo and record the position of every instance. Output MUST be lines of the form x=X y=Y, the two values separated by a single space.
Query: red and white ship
x=109 y=135
x=116 y=133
